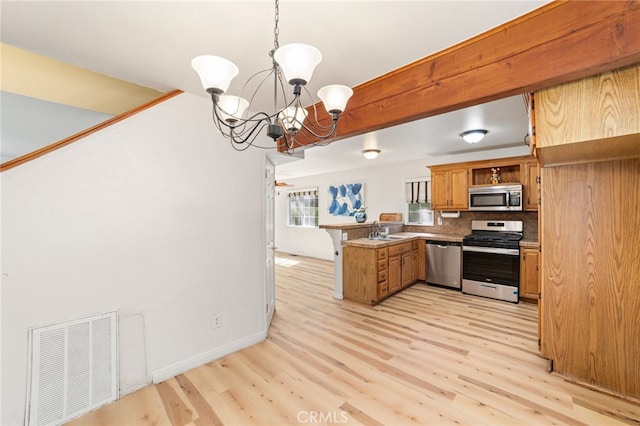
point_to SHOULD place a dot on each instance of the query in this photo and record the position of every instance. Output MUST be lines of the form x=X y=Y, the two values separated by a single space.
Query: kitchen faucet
x=374 y=233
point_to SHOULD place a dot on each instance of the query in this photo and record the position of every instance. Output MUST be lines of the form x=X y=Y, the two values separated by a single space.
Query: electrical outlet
x=217 y=321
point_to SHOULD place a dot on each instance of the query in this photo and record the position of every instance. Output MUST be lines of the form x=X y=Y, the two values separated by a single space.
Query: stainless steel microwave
x=496 y=198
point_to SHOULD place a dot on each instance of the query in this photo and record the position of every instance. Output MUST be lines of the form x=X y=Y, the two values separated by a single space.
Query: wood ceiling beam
x=557 y=43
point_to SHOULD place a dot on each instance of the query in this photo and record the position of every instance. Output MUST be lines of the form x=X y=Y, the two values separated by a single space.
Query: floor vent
x=73 y=368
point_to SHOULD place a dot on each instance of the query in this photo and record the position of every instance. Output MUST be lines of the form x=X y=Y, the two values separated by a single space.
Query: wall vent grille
x=73 y=368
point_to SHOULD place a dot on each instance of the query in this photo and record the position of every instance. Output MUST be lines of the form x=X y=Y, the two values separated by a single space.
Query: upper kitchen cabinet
x=450 y=183
x=449 y=188
x=531 y=185
x=592 y=119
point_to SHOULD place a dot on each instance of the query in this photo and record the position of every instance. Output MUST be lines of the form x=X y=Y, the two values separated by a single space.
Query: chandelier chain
x=276 y=30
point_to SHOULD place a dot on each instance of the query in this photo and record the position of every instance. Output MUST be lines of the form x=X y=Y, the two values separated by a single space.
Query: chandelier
x=289 y=125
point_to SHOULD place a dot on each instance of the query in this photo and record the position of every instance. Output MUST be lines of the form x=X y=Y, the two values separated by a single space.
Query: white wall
x=145 y=217
x=383 y=193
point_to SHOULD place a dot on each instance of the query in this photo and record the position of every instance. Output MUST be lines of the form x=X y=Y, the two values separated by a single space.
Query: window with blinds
x=303 y=208
x=418 y=201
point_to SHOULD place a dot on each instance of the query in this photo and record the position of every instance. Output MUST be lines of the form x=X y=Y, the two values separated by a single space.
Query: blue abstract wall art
x=345 y=199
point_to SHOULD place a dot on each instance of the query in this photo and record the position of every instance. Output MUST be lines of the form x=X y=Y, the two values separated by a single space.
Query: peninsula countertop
x=400 y=237
x=355 y=225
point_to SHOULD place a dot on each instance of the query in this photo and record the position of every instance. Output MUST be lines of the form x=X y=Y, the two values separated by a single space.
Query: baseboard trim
x=198 y=360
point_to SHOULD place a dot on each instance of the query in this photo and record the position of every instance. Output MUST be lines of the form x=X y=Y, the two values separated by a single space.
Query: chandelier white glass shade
x=473 y=136
x=289 y=119
x=215 y=72
x=232 y=107
x=297 y=61
x=335 y=97
x=292 y=118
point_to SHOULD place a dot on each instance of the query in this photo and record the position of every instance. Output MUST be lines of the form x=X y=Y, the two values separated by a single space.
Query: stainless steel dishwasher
x=444 y=263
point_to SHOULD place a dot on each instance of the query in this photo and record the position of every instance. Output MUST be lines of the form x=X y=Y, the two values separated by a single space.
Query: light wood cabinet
x=450 y=183
x=414 y=261
x=592 y=119
x=529 y=274
x=383 y=274
x=408 y=276
x=590 y=294
x=588 y=131
x=401 y=266
x=395 y=274
x=365 y=274
x=531 y=185
x=421 y=267
x=449 y=189
x=371 y=274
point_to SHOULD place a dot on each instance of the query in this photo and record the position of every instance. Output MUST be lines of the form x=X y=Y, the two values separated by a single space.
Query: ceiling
x=152 y=43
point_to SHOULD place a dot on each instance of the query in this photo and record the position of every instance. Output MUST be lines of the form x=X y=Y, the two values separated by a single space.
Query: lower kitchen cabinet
x=407 y=276
x=395 y=274
x=371 y=274
x=529 y=274
x=365 y=274
x=401 y=269
x=421 y=266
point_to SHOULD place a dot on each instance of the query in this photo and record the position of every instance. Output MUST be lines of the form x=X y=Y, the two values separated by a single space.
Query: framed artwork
x=345 y=199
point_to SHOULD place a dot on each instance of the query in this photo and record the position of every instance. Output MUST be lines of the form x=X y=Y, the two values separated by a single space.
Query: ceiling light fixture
x=473 y=136
x=370 y=154
x=293 y=62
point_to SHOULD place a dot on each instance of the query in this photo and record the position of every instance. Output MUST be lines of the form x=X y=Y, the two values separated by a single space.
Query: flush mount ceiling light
x=473 y=136
x=370 y=154
x=293 y=62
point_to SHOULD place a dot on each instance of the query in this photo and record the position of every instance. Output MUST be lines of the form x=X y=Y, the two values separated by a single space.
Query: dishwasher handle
x=444 y=244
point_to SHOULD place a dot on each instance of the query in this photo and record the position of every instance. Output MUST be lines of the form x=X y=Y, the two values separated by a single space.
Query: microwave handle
x=518 y=197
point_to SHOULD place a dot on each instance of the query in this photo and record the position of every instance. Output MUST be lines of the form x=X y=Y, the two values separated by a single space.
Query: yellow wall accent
x=37 y=76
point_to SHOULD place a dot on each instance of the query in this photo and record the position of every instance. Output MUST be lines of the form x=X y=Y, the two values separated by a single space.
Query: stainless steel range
x=491 y=259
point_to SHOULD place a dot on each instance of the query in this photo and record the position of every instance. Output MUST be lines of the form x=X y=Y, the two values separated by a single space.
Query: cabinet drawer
x=399 y=248
x=382 y=265
x=383 y=289
x=382 y=254
x=414 y=244
x=382 y=276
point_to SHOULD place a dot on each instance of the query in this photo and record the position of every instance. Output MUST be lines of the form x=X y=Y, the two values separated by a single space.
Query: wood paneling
x=599 y=107
x=592 y=119
x=614 y=148
x=557 y=43
x=426 y=356
x=591 y=272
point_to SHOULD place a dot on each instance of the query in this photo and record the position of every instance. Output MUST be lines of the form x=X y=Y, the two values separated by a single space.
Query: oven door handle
x=492 y=250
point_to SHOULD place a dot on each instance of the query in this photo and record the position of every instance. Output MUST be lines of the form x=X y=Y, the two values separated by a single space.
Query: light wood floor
x=426 y=356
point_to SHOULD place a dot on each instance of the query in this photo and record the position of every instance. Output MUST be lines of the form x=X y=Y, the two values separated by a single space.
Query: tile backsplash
x=462 y=225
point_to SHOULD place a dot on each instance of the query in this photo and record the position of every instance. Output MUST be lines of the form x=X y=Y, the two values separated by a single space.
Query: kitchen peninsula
x=346 y=231
x=374 y=269
x=403 y=252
